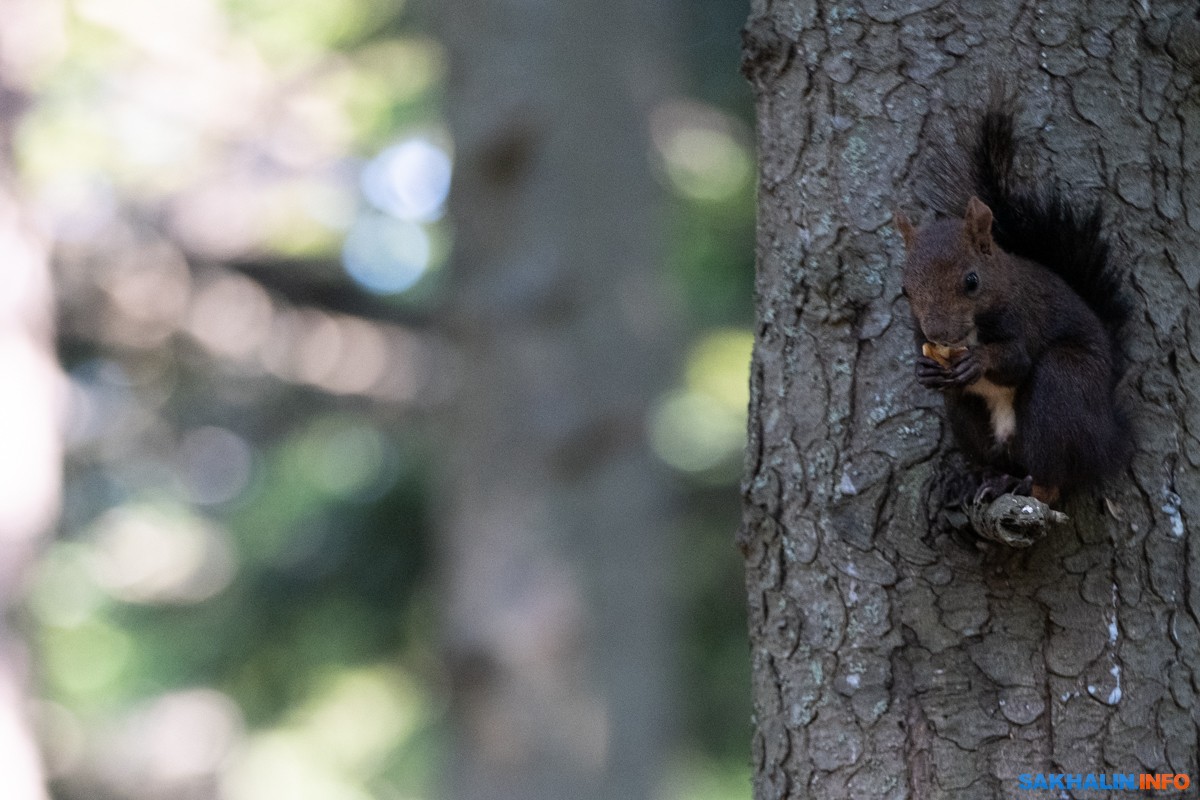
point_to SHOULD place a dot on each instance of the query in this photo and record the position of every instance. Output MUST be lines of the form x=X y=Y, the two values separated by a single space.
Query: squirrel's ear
x=907 y=231
x=977 y=226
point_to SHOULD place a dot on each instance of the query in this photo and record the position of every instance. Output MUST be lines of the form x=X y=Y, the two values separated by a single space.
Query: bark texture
x=556 y=514
x=892 y=659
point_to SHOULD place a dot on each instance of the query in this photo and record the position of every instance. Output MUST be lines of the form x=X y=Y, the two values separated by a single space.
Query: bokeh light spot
x=702 y=150
x=63 y=592
x=719 y=366
x=214 y=464
x=694 y=433
x=385 y=255
x=409 y=180
x=77 y=207
x=86 y=659
x=362 y=715
x=100 y=401
x=349 y=727
x=232 y=316
x=280 y=764
x=343 y=458
x=702 y=426
x=176 y=739
x=146 y=554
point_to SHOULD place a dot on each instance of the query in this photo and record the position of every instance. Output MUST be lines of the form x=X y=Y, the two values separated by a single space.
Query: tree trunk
x=31 y=406
x=30 y=473
x=891 y=658
x=555 y=515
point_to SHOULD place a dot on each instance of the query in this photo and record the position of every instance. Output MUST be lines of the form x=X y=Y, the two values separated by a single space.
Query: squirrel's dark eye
x=971 y=282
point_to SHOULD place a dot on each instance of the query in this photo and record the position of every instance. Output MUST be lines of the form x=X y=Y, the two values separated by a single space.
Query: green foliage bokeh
x=302 y=585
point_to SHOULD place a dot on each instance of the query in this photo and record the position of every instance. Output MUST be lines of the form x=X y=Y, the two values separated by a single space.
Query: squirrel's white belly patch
x=999 y=401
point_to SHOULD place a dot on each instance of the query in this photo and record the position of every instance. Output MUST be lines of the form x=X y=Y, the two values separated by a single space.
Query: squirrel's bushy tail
x=1038 y=222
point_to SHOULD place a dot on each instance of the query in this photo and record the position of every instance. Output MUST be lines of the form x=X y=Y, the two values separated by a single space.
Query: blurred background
x=275 y=343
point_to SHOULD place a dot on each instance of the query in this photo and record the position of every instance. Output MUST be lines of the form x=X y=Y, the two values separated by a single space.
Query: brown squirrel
x=1021 y=308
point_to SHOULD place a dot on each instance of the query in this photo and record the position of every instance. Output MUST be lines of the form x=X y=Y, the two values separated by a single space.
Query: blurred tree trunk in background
x=892 y=659
x=30 y=406
x=555 y=523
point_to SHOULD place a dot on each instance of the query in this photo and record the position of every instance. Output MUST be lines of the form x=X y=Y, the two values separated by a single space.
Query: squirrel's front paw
x=963 y=372
x=931 y=374
x=966 y=370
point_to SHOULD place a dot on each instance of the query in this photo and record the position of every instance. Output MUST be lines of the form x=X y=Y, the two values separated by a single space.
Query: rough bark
x=555 y=519
x=891 y=658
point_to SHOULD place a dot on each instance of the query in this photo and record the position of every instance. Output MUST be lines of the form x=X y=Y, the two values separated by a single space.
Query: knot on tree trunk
x=1013 y=519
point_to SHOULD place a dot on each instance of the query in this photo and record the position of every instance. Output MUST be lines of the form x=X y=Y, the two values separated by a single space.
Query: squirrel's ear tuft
x=977 y=226
x=907 y=231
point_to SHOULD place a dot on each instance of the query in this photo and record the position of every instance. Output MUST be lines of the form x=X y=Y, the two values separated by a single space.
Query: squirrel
x=1021 y=307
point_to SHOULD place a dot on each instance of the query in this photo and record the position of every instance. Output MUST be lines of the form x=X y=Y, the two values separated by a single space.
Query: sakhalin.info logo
x=1132 y=782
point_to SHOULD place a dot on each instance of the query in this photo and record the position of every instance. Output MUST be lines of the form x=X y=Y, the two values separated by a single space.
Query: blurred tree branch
x=320 y=283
